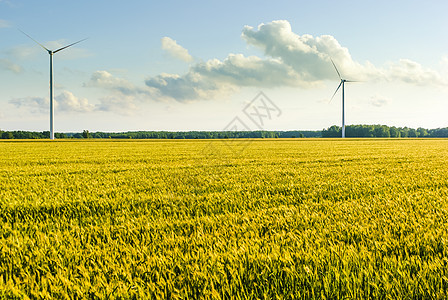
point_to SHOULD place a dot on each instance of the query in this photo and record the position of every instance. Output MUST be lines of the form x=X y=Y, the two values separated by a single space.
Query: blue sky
x=177 y=65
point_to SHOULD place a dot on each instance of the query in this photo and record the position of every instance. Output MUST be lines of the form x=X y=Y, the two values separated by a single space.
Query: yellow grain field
x=220 y=219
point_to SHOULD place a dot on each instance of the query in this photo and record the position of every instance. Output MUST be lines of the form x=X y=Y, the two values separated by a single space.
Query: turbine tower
x=343 y=81
x=51 y=52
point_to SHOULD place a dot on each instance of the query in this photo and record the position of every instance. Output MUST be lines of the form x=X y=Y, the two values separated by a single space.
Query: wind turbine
x=343 y=81
x=51 y=52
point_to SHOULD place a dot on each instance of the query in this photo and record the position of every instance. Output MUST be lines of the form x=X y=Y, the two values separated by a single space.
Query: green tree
x=394 y=132
x=86 y=134
x=412 y=133
x=382 y=131
x=422 y=132
x=404 y=132
x=7 y=135
x=333 y=131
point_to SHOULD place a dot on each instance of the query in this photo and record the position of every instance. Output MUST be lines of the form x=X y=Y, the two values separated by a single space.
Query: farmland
x=299 y=218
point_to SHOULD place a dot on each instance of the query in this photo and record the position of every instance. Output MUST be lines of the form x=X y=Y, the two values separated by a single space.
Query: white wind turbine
x=51 y=52
x=343 y=81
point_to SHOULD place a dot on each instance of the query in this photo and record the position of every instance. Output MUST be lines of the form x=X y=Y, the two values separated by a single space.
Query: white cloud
x=309 y=56
x=411 y=72
x=105 y=80
x=123 y=95
x=64 y=102
x=444 y=61
x=31 y=49
x=239 y=70
x=379 y=101
x=123 y=105
x=10 y=66
x=175 y=50
x=23 y=51
x=33 y=104
x=206 y=80
x=289 y=60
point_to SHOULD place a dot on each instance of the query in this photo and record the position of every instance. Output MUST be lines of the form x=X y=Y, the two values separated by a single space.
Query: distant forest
x=355 y=131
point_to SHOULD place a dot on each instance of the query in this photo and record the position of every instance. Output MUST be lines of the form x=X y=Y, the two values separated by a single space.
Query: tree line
x=195 y=134
x=368 y=131
x=384 y=131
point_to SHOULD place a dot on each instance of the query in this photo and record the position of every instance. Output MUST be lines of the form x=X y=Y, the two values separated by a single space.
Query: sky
x=221 y=65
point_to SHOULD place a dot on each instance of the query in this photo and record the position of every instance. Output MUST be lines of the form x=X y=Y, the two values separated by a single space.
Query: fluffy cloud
x=175 y=50
x=309 y=56
x=205 y=80
x=31 y=49
x=411 y=72
x=8 y=65
x=378 y=101
x=123 y=95
x=122 y=105
x=64 y=102
x=33 y=104
x=105 y=80
x=237 y=69
x=289 y=60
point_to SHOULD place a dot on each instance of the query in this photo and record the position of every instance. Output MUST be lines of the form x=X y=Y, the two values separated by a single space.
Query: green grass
x=262 y=219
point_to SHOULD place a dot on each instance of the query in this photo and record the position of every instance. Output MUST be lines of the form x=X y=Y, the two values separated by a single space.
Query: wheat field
x=224 y=219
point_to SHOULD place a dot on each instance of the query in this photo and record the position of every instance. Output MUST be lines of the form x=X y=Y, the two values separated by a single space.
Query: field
x=262 y=219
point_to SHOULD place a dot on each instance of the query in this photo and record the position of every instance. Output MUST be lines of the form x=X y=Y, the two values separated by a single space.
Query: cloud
x=411 y=72
x=64 y=102
x=8 y=65
x=23 y=51
x=310 y=57
x=444 y=61
x=31 y=50
x=237 y=69
x=124 y=95
x=379 y=101
x=175 y=50
x=4 y=24
x=277 y=40
x=105 y=80
x=33 y=104
x=207 y=79
x=288 y=59
x=121 y=105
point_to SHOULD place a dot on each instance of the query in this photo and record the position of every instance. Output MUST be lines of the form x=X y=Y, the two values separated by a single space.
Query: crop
x=261 y=219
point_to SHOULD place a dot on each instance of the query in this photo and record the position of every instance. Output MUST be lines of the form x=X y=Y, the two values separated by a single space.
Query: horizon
x=198 y=67
x=228 y=130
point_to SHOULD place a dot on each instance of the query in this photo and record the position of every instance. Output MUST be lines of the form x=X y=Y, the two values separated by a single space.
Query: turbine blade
x=335 y=91
x=336 y=69
x=34 y=40
x=352 y=81
x=69 y=45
